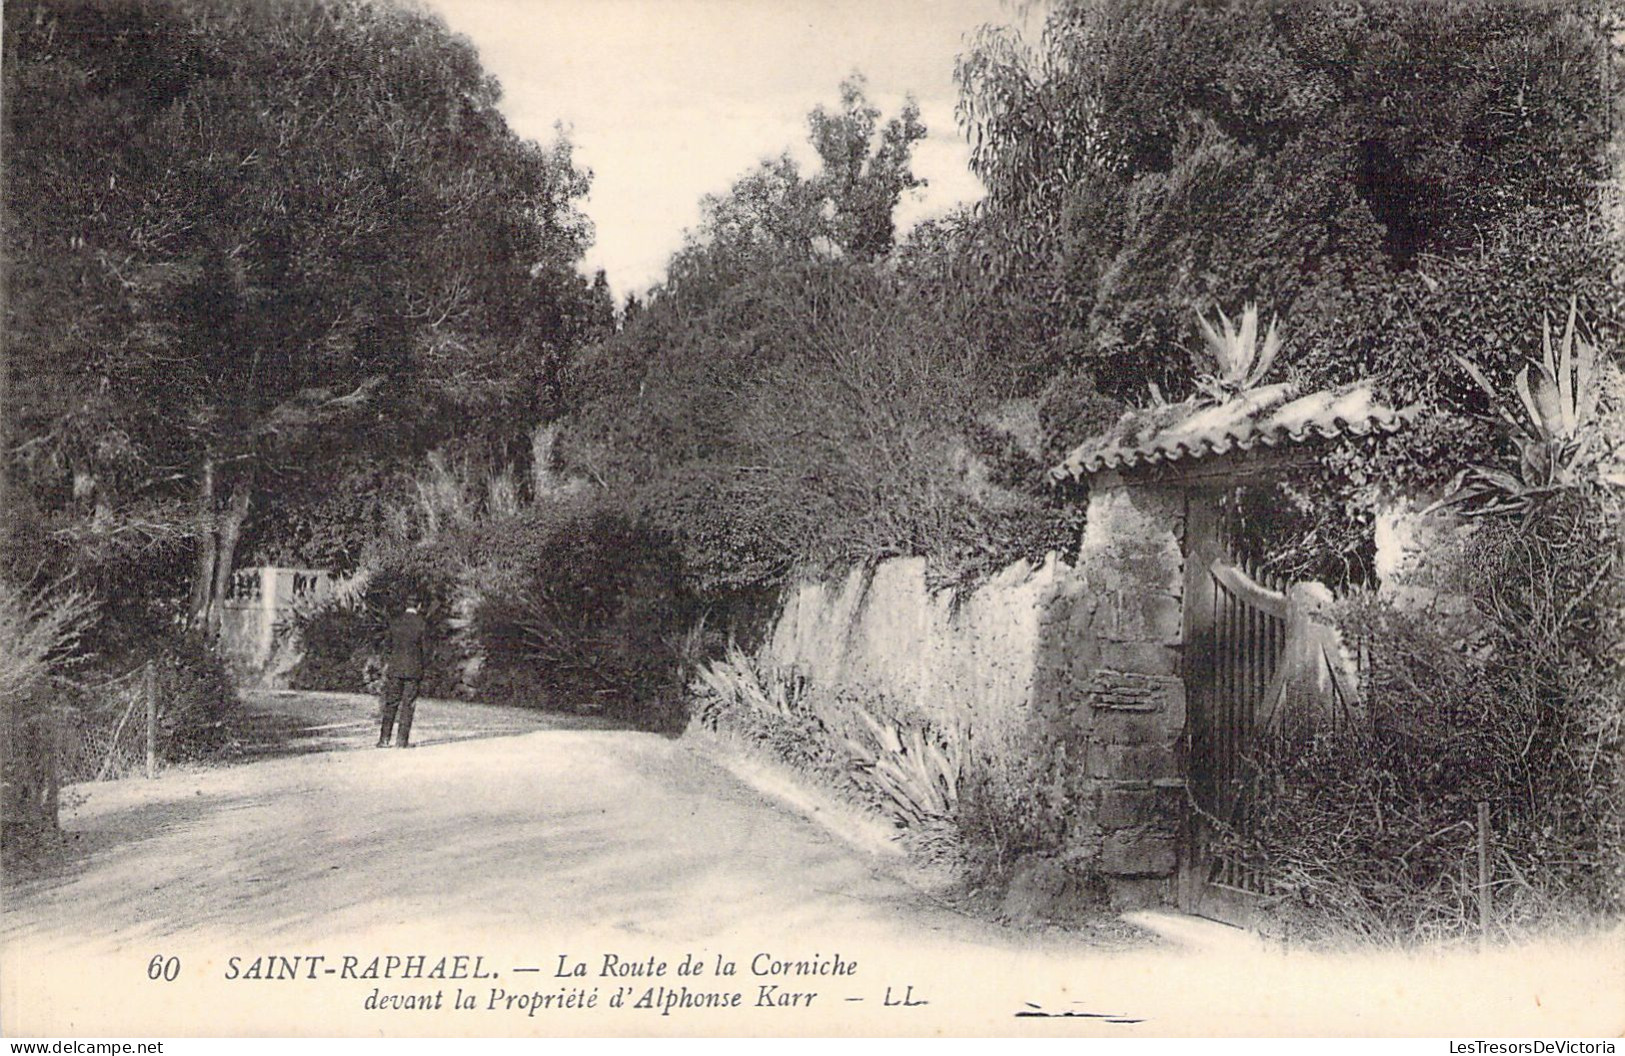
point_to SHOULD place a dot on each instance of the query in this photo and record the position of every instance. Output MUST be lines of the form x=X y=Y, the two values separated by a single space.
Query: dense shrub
x=981 y=798
x=99 y=709
x=593 y=619
x=342 y=649
x=730 y=532
x=1146 y=160
x=812 y=414
x=1370 y=828
x=345 y=642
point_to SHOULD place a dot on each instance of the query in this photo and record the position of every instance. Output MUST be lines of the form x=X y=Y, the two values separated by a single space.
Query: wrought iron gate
x=1235 y=631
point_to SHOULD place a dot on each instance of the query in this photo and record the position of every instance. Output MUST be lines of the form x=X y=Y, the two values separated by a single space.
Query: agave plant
x=1557 y=442
x=738 y=680
x=913 y=774
x=1242 y=361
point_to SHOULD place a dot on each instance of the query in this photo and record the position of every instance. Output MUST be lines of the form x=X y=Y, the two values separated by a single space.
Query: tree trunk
x=231 y=528
x=203 y=571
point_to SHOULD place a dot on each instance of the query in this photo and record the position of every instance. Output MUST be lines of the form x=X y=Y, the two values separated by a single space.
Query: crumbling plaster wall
x=955 y=661
x=1087 y=654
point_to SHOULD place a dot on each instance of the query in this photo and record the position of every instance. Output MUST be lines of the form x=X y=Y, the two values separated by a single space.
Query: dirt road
x=620 y=852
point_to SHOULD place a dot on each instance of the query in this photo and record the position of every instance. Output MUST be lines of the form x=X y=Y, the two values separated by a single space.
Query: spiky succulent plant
x=1242 y=361
x=1557 y=439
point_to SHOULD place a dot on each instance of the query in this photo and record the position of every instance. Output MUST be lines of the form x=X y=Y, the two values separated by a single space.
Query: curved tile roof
x=1268 y=416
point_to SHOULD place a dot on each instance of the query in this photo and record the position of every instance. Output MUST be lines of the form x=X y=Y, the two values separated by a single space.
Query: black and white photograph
x=1093 y=519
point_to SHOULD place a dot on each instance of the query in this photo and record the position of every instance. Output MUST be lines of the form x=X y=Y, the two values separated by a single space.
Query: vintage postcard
x=944 y=518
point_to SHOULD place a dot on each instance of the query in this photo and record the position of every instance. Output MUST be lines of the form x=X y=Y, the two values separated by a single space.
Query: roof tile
x=1268 y=416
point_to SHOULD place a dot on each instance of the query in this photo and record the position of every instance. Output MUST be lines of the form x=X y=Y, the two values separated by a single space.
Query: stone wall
x=1085 y=654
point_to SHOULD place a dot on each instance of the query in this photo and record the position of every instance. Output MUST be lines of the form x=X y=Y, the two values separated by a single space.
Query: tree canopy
x=1146 y=161
x=775 y=214
x=1400 y=182
x=251 y=240
x=792 y=396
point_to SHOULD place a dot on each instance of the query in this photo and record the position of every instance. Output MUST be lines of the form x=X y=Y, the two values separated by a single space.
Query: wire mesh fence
x=103 y=729
x=69 y=732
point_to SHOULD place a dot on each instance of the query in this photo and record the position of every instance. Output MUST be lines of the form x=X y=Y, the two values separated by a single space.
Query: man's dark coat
x=406 y=645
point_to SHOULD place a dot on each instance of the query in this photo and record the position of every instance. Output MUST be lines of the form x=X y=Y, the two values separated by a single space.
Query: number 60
x=166 y=968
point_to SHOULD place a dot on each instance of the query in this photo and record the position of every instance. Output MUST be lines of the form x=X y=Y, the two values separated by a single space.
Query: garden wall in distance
x=253 y=618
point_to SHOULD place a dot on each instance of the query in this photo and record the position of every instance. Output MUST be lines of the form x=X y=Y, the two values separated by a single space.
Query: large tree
x=250 y=239
x=776 y=214
x=787 y=399
x=1340 y=162
x=665 y=389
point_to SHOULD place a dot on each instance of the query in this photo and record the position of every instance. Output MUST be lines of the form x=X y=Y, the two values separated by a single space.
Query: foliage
x=39 y=631
x=65 y=695
x=1145 y=161
x=445 y=536
x=344 y=641
x=1561 y=444
x=196 y=697
x=813 y=417
x=771 y=712
x=245 y=238
x=333 y=528
x=1071 y=410
x=984 y=795
x=592 y=621
x=100 y=710
x=730 y=524
x=1370 y=828
x=340 y=650
x=868 y=750
x=1316 y=527
x=864 y=185
x=789 y=401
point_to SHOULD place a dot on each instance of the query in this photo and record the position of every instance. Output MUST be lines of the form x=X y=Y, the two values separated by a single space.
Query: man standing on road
x=402 y=674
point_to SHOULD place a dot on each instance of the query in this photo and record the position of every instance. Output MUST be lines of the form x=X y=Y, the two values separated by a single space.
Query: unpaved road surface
x=277 y=723
x=535 y=847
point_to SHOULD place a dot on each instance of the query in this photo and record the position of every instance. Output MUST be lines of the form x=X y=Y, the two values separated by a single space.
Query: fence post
x=149 y=687
x=53 y=787
x=1483 y=875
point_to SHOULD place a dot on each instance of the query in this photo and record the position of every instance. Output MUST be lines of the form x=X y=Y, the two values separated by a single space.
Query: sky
x=669 y=100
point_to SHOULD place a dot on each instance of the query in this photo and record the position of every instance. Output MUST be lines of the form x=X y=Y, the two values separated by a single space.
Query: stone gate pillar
x=1123 y=700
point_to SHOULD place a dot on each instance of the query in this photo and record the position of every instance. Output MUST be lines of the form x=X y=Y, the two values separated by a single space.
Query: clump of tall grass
x=37 y=628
